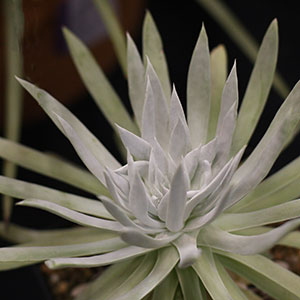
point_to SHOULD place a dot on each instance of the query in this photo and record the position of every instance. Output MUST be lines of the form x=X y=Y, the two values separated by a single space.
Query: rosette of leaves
x=184 y=206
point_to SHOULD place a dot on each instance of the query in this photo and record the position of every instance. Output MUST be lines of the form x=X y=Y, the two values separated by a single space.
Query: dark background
x=179 y=23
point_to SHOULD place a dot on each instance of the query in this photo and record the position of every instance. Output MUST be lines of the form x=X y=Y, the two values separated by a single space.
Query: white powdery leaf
x=186 y=245
x=198 y=91
x=84 y=153
x=148 y=117
x=160 y=157
x=179 y=142
x=113 y=190
x=160 y=106
x=176 y=112
x=139 y=202
x=229 y=96
x=140 y=239
x=163 y=206
x=224 y=137
x=245 y=245
x=261 y=160
x=191 y=161
x=137 y=146
x=207 y=190
x=52 y=107
x=123 y=218
x=177 y=199
x=222 y=199
x=208 y=151
x=136 y=82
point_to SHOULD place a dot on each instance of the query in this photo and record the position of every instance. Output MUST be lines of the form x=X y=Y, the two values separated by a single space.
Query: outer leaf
x=218 y=69
x=198 y=91
x=32 y=237
x=153 y=48
x=98 y=260
x=258 y=88
x=166 y=261
x=259 y=163
x=270 y=277
x=244 y=245
x=167 y=288
x=21 y=189
x=109 y=280
x=72 y=215
x=50 y=166
x=136 y=81
x=235 y=292
x=12 y=257
x=251 y=295
x=206 y=269
x=291 y=240
x=283 y=186
x=82 y=150
x=97 y=84
x=189 y=282
x=53 y=108
x=274 y=214
x=133 y=279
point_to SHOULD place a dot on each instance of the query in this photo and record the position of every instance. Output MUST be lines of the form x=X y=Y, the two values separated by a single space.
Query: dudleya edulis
x=184 y=194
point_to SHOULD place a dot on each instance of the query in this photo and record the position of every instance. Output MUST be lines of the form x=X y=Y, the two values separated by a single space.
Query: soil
x=66 y=284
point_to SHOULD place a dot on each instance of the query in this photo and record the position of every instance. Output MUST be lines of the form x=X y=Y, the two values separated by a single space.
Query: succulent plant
x=184 y=206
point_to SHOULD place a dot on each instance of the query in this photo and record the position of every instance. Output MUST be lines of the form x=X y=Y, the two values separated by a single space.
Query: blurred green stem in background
x=14 y=25
x=115 y=31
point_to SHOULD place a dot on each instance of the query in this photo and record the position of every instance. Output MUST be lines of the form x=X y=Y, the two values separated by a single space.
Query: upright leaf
x=218 y=69
x=99 y=87
x=259 y=163
x=258 y=88
x=282 y=186
x=53 y=108
x=136 y=80
x=153 y=48
x=198 y=91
